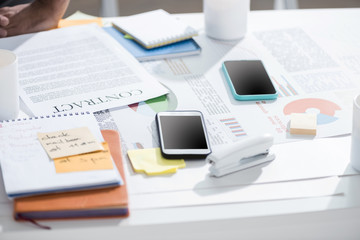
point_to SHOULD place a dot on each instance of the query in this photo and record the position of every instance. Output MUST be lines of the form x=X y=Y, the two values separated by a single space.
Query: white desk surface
x=336 y=217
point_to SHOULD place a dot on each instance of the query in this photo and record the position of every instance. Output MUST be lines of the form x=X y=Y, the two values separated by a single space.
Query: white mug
x=226 y=19
x=9 y=85
x=355 y=135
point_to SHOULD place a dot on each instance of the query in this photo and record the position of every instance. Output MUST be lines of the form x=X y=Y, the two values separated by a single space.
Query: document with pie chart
x=333 y=116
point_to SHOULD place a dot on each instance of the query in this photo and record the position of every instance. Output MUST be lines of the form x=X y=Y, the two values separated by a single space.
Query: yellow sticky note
x=303 y=123
x=85 y=162
x=69 y=142
x=151 y=162
x=69 y=23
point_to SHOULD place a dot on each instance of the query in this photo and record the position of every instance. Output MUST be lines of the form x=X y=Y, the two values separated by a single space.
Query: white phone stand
x=241 y=155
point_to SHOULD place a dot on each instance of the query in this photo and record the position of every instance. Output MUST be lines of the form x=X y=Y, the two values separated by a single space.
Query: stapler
x=247 y=153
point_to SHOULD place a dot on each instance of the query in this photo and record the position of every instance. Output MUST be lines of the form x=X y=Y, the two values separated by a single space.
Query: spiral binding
x=43 y=117
x=169 y=40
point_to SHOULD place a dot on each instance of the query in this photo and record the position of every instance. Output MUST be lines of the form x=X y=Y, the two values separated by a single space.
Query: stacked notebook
x=179 y=49
x=88 y=184
x=155 y=28
x=106 y=202
x=27 y=168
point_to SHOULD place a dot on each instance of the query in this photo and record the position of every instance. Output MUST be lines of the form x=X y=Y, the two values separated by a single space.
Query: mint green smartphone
x=248 y=80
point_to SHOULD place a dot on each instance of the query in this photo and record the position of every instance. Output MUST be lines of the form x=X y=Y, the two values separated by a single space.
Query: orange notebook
x=107 y=202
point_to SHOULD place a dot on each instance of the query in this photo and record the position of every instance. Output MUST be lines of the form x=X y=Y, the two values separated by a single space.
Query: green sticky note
x=127 y=36
x=151 y=162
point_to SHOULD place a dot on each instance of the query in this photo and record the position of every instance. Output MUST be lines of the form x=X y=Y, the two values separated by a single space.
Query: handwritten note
x=85 y=162
x=69 y=142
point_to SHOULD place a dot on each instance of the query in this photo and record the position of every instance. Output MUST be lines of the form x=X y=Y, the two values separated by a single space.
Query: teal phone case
x=247 y=97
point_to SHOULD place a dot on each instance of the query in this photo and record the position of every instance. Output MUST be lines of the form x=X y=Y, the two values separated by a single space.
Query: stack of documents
x=77 y=69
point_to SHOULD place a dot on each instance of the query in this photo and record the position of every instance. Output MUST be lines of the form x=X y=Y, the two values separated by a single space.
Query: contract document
x=78 y=69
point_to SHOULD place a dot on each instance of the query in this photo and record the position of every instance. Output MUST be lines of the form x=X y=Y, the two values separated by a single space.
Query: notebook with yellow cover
x=155 y=28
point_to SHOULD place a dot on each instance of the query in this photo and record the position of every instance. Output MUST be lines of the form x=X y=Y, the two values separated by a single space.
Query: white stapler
x=244 y=154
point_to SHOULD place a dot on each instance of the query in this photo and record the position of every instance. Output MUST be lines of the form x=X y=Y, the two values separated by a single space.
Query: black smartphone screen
x=183 y=132
x=249 y=77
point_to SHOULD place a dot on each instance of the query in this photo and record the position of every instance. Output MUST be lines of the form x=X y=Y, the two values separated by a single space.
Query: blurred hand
x=4 y=21
x=34 y=17
x=5 y=14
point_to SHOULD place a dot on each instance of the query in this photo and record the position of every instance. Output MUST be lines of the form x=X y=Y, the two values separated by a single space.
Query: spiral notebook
x=28 y=170
x=109 y=202
x=155 y=28
x=180 y=49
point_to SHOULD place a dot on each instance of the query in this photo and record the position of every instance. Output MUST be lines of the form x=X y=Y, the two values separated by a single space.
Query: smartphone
x=182 y=134
x=248 y=80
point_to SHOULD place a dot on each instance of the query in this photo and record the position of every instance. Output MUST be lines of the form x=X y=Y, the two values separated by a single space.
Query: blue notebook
x=179 y=49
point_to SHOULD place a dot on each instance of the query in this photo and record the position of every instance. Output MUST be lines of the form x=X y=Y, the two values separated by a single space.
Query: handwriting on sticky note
x=85 y=162
x=69 y=142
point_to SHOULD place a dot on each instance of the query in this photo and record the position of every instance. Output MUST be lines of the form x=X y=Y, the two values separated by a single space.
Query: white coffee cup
x=226 y=19
x=355 y=135
x=9 y=85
